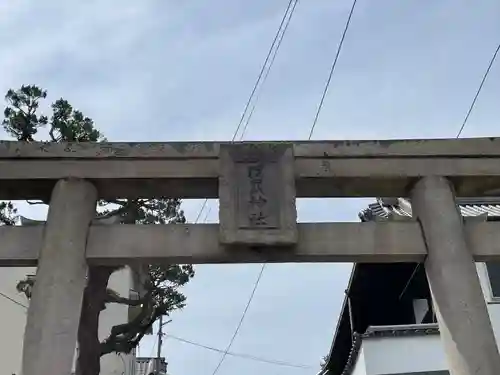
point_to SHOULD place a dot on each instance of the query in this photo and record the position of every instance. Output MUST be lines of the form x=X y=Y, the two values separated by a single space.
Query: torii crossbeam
x=257 y=184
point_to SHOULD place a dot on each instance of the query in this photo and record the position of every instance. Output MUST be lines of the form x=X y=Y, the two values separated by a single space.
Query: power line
x=237 y=330
x=261 y=74
x=483 y=80
x=285 y=21
x=240 y=355
x=201 y=210
x=233 y=354
x=478 y=92
x=206 y=215
x=13 y=300
x=275 y=53
x=332 y=69
x=245 y=356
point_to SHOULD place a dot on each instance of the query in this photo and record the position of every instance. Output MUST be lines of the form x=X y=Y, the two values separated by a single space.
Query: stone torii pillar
x=463 y=318
x=54 y=310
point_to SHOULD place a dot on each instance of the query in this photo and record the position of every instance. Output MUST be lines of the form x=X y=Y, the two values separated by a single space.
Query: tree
x=161 y=283
x=8 y=213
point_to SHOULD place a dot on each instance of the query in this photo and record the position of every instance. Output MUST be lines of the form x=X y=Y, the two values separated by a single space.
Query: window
x=493 y=270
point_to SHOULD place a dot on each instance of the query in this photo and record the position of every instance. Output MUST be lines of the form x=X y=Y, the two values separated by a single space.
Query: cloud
x=176 y=70
x=183 y=70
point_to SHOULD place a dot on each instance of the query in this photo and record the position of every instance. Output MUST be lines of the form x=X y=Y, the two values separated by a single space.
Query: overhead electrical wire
x=180 y=339
x=240 y=323
x=276 y=42
x=262 y=74
x=478 y=91
x=240 y=355
x=462 y=127
x=13 y=300
x=200 y=211
x=269 y=67
x=310 y=135
x=332 y=69
x=285 y=21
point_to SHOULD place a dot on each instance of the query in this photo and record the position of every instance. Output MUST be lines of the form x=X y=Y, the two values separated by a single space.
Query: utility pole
x=160 y=341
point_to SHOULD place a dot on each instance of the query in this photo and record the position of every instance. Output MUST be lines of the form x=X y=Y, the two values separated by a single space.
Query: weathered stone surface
x=199 y=244
x=463 y=147
x=257 y=194
x=465 y=326
x=191 y=170
x=54 y=310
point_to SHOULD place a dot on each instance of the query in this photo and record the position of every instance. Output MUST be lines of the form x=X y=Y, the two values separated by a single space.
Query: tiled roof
x=386 y=208
x=385 y=331
x=402 y=330
x=390 y=209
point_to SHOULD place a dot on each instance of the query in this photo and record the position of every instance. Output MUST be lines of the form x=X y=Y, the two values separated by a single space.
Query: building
x=387 y=324
x=13 y=306
x=148 y=365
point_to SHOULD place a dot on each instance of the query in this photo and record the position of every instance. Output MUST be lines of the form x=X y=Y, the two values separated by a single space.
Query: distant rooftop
x=387 y=208
x=381 y=293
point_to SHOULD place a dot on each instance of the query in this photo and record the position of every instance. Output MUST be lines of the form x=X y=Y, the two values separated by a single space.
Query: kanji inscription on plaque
x=257 y=194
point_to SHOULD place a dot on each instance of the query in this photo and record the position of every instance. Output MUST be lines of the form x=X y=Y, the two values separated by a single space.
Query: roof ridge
x=383 y=208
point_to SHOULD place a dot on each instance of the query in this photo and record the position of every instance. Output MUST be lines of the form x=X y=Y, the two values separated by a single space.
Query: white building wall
x=13 y=318
x=13 y=321
x=494 y=310
x=414 y=354
x=360 y=366
x=402 y=355
x=493 y=304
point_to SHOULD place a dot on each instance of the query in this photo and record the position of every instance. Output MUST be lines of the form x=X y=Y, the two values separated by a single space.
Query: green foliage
x=162 y=285
x=165 y=280
x=21 y=120
x=8 y=213
x=70 y=125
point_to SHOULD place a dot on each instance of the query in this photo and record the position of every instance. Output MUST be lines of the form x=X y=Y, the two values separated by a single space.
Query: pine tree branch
x=51 y=133
x=113 y=297
x=124 y=337
x=116 y=212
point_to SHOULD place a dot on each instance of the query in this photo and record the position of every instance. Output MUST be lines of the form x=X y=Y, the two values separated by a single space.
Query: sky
x=176 y=70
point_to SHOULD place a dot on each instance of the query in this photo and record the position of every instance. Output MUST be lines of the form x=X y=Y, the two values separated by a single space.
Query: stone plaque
x=257 y=194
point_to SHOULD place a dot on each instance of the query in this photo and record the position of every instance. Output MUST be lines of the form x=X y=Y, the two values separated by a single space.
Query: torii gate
x=257 y=184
